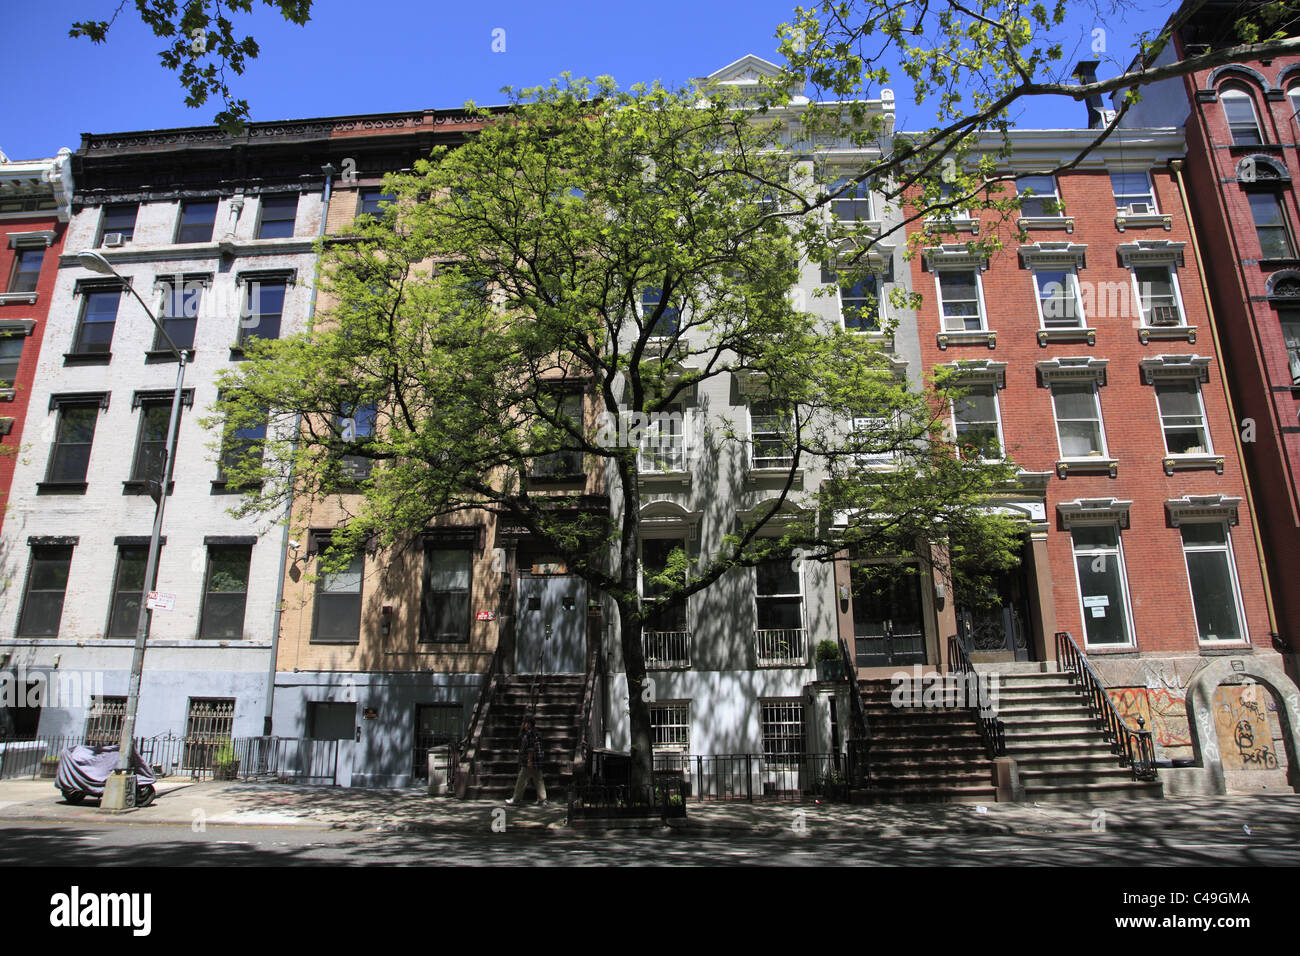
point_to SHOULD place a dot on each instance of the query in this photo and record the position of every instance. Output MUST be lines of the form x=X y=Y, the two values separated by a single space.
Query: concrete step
x=957 y=794
x=1129 y=790
x=1041 y=777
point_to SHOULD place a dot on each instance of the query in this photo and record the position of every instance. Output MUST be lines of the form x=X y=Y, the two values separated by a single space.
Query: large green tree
x=517 y=263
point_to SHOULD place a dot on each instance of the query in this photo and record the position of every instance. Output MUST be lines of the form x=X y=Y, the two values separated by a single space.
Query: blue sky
x=389 y=55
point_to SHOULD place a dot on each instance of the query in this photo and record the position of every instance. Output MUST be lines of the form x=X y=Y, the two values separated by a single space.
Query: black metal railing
x=595 y=660
x=1135 y=748
x=859 y=744
x=992 y=729
x=664 y=798
x=460 y=749
x=789 y=778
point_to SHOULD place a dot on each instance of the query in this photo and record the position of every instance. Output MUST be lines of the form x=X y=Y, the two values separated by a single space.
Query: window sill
x=968 y=337
x=768 y=474
x=1093 y=464
x=796 y=665
x=1288 y=263
x=965 y=224
x=155 y=356
x=16 y=298
x=8 y=394
x=1174 y=463
x=220 y=487
x=1151 y=221
x=656 y=477
x=61 y=487
x=1046 y=222
x=341 y=642
x=1167 y=332
x=1227 y=648
x=134 y=487
x=1088 y=335
x=87 y=358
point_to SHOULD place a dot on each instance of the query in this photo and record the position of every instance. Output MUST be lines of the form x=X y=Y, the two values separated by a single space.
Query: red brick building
x=35 y=200
x=1240 y=126
x=1092 y=363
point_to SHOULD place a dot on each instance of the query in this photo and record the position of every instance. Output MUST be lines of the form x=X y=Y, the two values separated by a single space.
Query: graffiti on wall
x=1241 y=722
x=1162 y=712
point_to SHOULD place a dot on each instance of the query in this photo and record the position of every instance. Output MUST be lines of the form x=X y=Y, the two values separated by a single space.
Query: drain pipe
x=328 y=170
x=1177 y=166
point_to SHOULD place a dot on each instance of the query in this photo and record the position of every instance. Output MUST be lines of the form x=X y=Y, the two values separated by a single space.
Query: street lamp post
x=119 y=790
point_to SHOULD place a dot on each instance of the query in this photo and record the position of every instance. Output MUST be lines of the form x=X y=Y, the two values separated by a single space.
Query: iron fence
x=665 y=650
x=780 y=647
x=754 y=777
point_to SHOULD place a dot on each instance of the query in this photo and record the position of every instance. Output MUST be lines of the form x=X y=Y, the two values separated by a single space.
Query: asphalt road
x=38 y=844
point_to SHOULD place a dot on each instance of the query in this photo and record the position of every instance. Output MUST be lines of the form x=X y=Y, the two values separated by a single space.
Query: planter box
x=49 y=769
x=225 y=771
x=830 y=670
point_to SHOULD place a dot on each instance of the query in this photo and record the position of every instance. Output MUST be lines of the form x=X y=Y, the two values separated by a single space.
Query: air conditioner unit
x=1165 y=315
x=113 y=239
x=1140 y=209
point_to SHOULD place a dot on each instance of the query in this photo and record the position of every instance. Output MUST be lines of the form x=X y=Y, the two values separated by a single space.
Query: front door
x=889 y=619
x=998 y=626
x=552 y=625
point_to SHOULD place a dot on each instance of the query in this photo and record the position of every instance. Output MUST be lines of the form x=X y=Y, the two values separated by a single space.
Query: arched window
x=1239 y=109
x=1293 y=94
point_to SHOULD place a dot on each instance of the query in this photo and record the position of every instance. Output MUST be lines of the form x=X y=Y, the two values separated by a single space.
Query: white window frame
x=1292 y=358
x=1284 y=223
x=1104 y=454
x=864 y=424
x=1200 y=401
x=1041 y=197
x=789 y=707
x=880 y=306
x=1226 y=549
x=648 y=308
x=1175 y=285
x=860 y=193
x=1095 y=552
x=1234 y=91
x=753 y=436
x=679 y=717
x=1150 y=193
x=652 y=443
x=997 y=414
x=679 y=540
x=1072 y=280
x=979 y=298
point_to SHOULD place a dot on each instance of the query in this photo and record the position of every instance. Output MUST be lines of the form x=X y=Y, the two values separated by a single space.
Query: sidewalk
x=182 y=802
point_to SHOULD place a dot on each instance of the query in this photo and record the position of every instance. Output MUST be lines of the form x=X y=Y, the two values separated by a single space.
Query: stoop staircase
x=495 y=752
x=923 y=755
x=1057 y=741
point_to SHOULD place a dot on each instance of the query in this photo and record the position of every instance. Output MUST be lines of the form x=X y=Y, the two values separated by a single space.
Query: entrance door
x=552 y=625
x=889 y=619
x=1000 y=624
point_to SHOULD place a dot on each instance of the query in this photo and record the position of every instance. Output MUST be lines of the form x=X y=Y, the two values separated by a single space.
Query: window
x=27 y=269
x=1291 y=339
x=869 y=434
x=670 y=727
x=854 y=204
x=782 y=722
x=1078 y=419
x=1133 y=189
x=1294 y=95
x=1103 y=586
x=1039 y=196
x=338 y=604
x=859 y=305
x=197 y=221
x=1270 y=226
x=1239 y=110
x=246 y=446
x=356 y=423
x=128 y=592
x=959 y=300
x=373 y=200
x=104 y=722
x=561 y=464
x=668 y=323
x=225 y=592
x=47 y=582
x=655 y=554
x=779 y=595
x=151 y=442
x=180 y=315
x=976 y=422
x=1212 y=575
x=1183 y=418
x=73 y=436
x=1058 y=298
x=278 y=215
x=771 y=428
x=1158 y=292
x=98 y=319
x=11 y=352
x=118 y=224
x=663 y=443
x=209 y=723
x=444 y=604
x=264 y=309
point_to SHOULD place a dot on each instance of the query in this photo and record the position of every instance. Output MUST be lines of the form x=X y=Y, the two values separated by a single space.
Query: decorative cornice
x=952 y=255
x=79 y=398
x=1150 y=251
x=1202 y=507
x=1175 y=367
x=1071 y=368
x=1094 y=511
x=1043 y=255
x=43 y=238
x=979 y=370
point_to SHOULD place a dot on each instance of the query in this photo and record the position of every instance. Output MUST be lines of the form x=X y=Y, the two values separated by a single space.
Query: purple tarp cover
x=85 y=769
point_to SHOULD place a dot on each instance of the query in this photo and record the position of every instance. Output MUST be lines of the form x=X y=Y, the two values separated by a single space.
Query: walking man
x=530 y=763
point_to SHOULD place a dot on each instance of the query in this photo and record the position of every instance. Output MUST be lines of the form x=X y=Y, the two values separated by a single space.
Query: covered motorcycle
x=83 y=771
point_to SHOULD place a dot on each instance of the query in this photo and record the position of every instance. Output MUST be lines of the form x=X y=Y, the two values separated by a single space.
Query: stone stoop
x=1059 y=747
x=558 y=712
x=923 y=754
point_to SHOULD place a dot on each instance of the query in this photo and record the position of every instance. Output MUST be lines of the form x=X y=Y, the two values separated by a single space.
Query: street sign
x=159 y=601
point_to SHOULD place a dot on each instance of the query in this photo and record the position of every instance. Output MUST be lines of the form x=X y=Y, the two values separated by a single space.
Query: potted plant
x=225 y=762
x=830 y=665
x=49 y=767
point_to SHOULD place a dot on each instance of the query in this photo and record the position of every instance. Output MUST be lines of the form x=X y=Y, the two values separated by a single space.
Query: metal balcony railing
x=665 y=650
x=662 y=454
x=781 y=647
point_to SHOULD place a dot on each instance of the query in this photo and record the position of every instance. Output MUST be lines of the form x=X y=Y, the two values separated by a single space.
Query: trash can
x=439 y=770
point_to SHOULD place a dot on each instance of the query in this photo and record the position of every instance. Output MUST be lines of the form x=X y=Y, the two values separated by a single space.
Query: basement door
x=551 y=636
x=889 y=620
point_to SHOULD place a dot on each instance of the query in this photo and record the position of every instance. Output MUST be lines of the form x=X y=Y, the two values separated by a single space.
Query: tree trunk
x=639 y=695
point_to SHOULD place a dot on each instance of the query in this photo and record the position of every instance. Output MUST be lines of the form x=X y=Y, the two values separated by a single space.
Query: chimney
x=1086 y=72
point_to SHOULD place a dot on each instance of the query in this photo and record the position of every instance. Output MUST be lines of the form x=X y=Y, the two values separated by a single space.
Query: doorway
x=551 y=636
x=888 y=615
